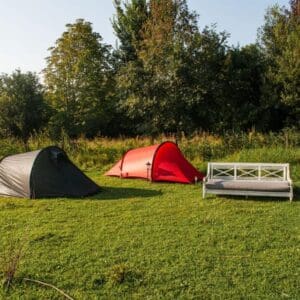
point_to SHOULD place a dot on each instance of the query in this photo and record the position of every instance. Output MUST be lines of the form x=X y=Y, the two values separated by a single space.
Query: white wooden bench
x=248 y=179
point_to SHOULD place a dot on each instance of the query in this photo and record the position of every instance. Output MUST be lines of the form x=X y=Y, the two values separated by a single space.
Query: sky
x=29 y=27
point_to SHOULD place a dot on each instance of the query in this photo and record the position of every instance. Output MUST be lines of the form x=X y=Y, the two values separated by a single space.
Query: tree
x=156 y=53
x=152 y=84
x=204 y=78
x=245 y=106
x=280 y=41
x=79 y=81
x=23 y=110
x=176 y=78
x=127 y=25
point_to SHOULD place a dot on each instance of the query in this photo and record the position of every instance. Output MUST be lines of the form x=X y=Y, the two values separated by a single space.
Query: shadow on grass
x=116 y=193
x=258 y=198
x=296 y=194
x=263 y=199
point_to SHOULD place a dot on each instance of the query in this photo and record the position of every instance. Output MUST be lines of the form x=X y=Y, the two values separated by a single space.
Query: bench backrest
x=249 y=171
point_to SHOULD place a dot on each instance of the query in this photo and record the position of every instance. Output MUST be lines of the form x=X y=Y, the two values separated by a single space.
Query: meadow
x=138 y=239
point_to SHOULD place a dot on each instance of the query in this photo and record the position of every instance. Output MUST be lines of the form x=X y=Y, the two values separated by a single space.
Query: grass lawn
x=142 y=240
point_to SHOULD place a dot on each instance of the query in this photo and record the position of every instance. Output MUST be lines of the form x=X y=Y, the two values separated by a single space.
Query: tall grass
x=10 y=261
x=100 y=153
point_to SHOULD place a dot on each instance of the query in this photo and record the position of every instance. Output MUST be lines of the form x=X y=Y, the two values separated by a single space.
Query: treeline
x=165 y=76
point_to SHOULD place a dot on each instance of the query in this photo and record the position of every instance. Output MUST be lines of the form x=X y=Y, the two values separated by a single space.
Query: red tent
x=163 y=162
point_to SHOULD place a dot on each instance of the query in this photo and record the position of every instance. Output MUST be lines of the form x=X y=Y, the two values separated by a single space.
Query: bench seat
x=264 y=186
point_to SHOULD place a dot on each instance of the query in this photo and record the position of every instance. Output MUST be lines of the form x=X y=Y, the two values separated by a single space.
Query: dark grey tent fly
x=43 y=173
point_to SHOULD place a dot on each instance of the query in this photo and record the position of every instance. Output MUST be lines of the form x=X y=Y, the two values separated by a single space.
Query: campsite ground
x=138 y=239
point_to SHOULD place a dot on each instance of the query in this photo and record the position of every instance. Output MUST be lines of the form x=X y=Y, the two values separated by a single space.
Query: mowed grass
x=142 y=240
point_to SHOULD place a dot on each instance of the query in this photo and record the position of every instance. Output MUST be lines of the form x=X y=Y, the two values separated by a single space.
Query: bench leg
x=291 y=194
x=203 y=191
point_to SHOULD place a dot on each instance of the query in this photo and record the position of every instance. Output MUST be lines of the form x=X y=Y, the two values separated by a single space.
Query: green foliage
x=280 y=40
x=127 y=24
x=244 y=70
x=289 y=68
x=78 y=81
x=181 y=79
x=181 y=75
x=152 y=83
x=203 y=77
x=23 y=110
